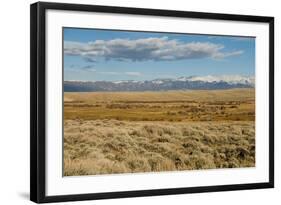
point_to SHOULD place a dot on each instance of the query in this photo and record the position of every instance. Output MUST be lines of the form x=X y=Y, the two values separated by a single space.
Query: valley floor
x=129 y=132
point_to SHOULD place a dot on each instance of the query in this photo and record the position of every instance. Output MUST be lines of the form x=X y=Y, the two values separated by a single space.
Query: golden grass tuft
x=156 y=146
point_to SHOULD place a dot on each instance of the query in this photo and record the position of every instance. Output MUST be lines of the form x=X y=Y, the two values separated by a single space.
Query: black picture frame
x=38 y=101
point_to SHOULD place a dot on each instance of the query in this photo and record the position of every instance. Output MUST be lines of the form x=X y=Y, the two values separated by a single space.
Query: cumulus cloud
x=157 y=49
x=225 y=55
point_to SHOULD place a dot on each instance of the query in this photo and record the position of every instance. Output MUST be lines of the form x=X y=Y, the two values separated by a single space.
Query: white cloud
x=133 y=73
x=244 y=38
x=157 y=49
x=109 y=73
x=88 y=67
x=120 y=73
x=227 y=54
x=91 y=70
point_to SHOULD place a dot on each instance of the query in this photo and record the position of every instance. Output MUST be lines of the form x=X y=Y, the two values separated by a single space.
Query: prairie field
x=128 y=132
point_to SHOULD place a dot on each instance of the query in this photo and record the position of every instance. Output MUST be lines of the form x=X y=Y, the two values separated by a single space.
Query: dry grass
x=220 y=105
x=111 y=146
x=127 y=132
x=188 y=95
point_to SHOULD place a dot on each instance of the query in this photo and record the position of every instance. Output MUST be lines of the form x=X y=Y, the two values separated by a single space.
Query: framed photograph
x=129 y=102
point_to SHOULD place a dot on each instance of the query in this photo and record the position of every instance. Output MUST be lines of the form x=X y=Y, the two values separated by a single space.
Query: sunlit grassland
x=236 y=104
x=126 y=132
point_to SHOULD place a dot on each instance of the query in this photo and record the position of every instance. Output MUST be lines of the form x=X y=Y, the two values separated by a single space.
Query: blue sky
x=95 y=55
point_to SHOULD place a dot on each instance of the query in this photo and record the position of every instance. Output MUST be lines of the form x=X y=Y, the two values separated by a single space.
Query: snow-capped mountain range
x=208 y=82
x=232 y=79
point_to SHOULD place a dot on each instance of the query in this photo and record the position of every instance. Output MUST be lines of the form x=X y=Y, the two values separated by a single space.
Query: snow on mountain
x=208 y=82
x=157 y=81
x=231 y=79
x=127 y=81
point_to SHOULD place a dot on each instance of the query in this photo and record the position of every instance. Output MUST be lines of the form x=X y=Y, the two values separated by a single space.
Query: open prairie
x=125 y=132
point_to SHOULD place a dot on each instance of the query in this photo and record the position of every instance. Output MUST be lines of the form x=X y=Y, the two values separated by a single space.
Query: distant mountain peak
x=232 y=79
x=207 y=82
